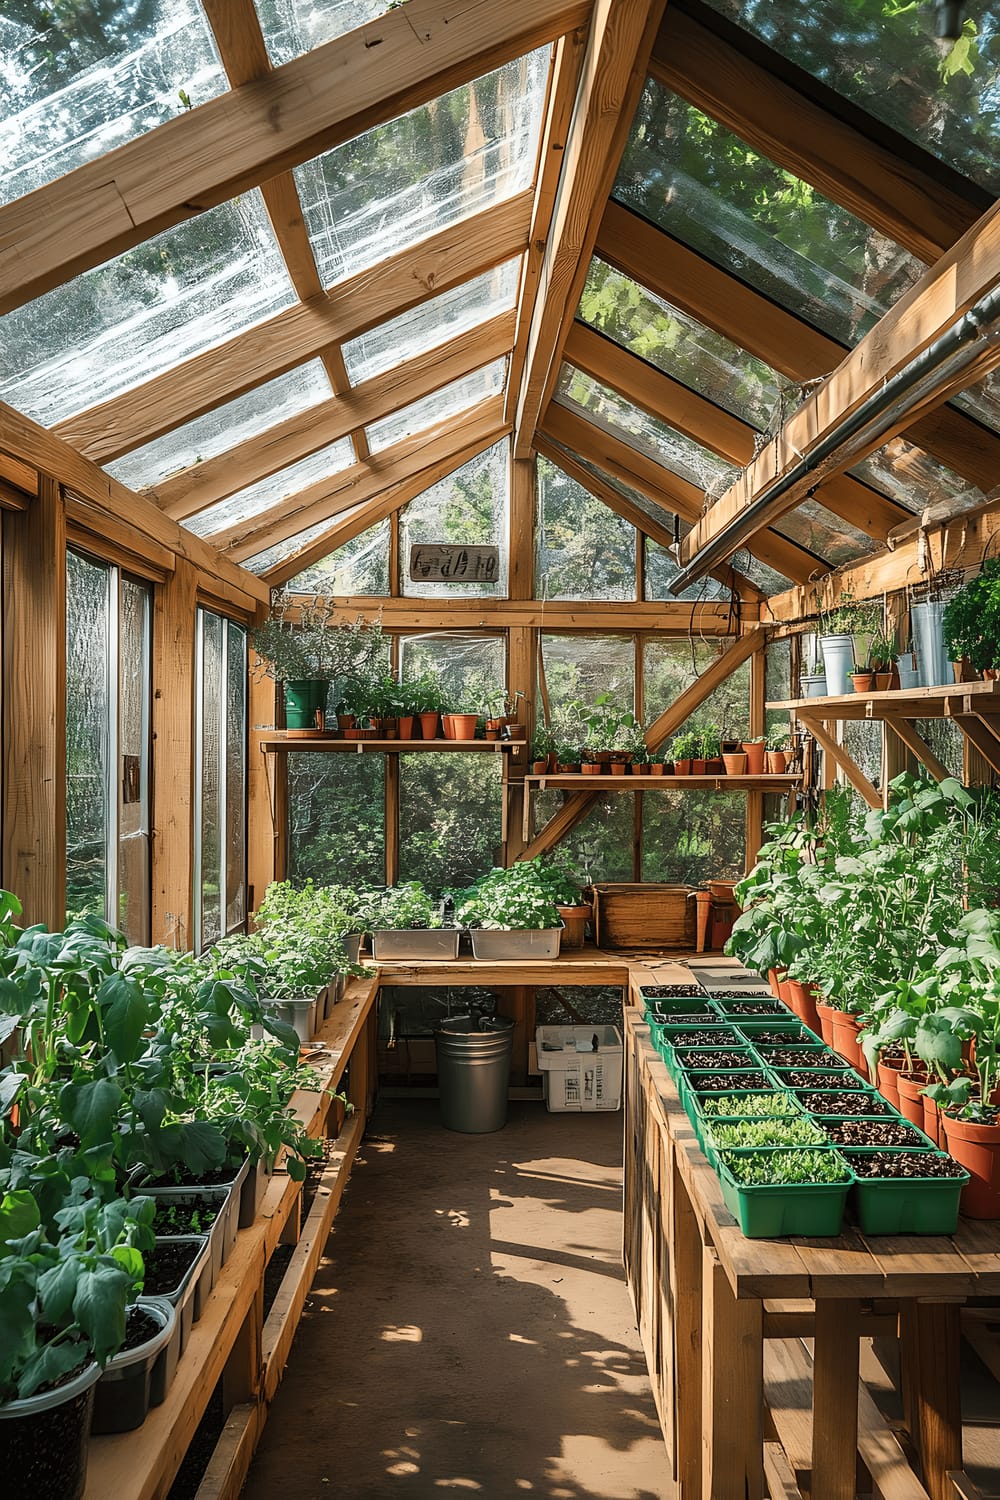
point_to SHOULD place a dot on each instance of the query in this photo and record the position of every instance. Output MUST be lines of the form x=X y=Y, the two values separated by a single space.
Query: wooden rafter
x=618 y=47
x=534 y=614
x=306 y=432
x=959 y=280
x=718 y=430
x=662 y=486
x=310 y=105
x=26 y=441
x=362 y=482
x=622 y=506
x=290 y=338
x=908 y=204
x=732 y=308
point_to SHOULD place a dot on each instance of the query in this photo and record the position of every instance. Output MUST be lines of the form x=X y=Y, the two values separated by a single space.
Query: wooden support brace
x=905 y=731
x=979 y=732
x=859 y=781
x=835 y=1399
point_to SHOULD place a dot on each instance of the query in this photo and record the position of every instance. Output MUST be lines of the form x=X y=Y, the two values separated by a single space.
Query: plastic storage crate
x=575 y=1076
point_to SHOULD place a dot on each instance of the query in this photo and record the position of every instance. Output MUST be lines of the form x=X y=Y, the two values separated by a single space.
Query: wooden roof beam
x=405 y=614
x=732 y=439
x=219 y=149
x=363 y=481
x=618 y=46
x=909 y=205
x=29 y=443
x=301 y=333
x=202 y=485
x=664 y=487
x=690 y=282
x=959 y=282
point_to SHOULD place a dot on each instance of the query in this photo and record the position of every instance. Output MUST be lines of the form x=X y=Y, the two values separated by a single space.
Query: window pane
x=82 y=79
x=88 y=718
x=262 y=562
x=469 y=507
x=778 y=677
x=451 y=399
x=462 y=664
x=823 y=533
x=115 y=326
x=292 y=27
x=236 y=776
x=265 y=493
x=449 y=818
x=223 y=428
x=336 y=819
x=585 y=666
x=704 y=186
x=400 y=182
x=691 y=837
x=135 y=606
x=583 y=549
x=671 y=666
x=947 y=741
x=432 y=323
x=661 y=569
x=914 y=478
x=863 y=742
x=942 y=95
x=600 y=846
x=359 y=567
x=209 y=827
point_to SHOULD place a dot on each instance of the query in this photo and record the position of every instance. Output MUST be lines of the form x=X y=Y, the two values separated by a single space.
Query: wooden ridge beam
x=622 y=506
x=911 y=206
x=204 y=484
x=613 y=72
x=27 y=441
x=663 y=486
x=357 y=484
x=375 y=295
x=219 y=149
x=731 y=438
x=951 y=288
x=733 y=309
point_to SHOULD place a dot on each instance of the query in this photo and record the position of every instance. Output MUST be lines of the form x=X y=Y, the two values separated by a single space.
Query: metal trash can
x=473 y=1063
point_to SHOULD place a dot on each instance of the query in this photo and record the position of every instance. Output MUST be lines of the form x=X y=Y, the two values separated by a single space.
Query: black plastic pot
x=123 y=1395
x=44 y=1440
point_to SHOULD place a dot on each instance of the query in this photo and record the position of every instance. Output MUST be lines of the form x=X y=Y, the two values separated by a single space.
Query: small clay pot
x=862 y=681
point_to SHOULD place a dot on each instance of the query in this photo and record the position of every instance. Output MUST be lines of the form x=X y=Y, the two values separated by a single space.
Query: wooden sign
x=447 y=562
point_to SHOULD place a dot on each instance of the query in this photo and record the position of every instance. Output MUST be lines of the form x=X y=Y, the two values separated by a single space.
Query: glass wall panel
x=585 y=666
x=778 y=680
x=89 y=816
x=292 y=27
x=117 y=325
x=135 y=610
x=359 y=567
x=863 y=742
x=400 y=182
x=270 y=557
x=79 y=80
x=465 y=665
x=220 y=778
x=670 y=666
x=449 y=401
x=583 y=550
x=824 y=534
x=469 y=506
x=600 y=846
x=236 y=776
x=947 y=741
x=449 y=818
x=336 y=819
x=691 y=837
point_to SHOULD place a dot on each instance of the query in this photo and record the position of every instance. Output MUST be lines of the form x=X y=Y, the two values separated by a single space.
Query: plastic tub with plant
x=781 y=1192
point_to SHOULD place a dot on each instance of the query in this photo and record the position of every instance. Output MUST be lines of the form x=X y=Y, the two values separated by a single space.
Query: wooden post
x=522 y=641
x=758 y=719
x=174 y=750
x=835 y=1398
x=521 y=999
x=241 y=1375
x=687 y=1335
x=932 y=1389
x=264 y=773
x=34 y=711
x=732 y=1386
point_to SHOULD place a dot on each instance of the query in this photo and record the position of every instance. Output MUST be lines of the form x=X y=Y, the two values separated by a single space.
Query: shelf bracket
x=859 y=781
x=904 y=731
x=981 y=731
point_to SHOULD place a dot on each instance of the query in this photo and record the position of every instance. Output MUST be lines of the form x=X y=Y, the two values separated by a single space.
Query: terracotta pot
x=777 y=762
x=464 y=726
x=977 y=1147
x=888 y=1083
x=989 y=674
x=591 y=768
x=571 y=768
x=494 y=734
x=656 y=769
x=448 y=726
x=774 y=977
x=910 y=1085
x=493 y=727
x=932 y=1120
x=698 y=767
x=755 y=753
x=883 y=682
x=641 y=768
x=512 y=730
x=736 y=765
x=575 y=919
x=428 y=725
x=715 y=766
x=784 y=992
x=406 y=722
x=845 y=1041
x=539 y=767
x=618 y=768
x=802 y=999
x=826 y=1013
x=682 y=768
x=862 y=681
x=345 y=721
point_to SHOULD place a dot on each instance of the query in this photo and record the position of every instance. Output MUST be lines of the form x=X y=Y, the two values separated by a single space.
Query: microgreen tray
x=774 y=1210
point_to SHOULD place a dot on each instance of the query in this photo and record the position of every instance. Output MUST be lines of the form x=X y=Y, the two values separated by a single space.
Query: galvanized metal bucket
x=473 y=1062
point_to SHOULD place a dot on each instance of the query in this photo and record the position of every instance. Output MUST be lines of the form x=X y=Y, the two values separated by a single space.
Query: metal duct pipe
x=935 y=366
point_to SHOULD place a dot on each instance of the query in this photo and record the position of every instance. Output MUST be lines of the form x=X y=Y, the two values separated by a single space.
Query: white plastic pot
x=493 y=943
x=814 y=684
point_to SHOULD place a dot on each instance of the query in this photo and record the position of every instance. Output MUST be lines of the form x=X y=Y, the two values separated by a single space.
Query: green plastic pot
x=904 y=1205
x=776 y=1210
x=302 y=699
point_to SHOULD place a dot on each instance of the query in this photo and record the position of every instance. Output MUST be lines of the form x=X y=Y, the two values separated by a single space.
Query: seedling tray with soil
x=773 y=1193
x=667 y=1015
x=905 y=1192
x=174 y=1268
x=773 y=1030
x=818 y=1078
x=741 y=1105
x=763 y=1007
x=192 y=1216
x=838 y=1104
x=747 y=992
x=804 y=1056
x=733 y=1135
x=875 y=1133
x=713 y=1083
x=671 y=992
x=736 y=1057
x=705 y=1036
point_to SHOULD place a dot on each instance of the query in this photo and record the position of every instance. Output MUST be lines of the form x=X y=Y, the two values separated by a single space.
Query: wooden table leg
x=732 y=1389
x=932 y=1389
x=686 y=1333
x=835 y=1399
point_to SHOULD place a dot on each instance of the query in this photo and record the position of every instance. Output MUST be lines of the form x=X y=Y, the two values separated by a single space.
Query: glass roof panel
x=407 y=179
x=451 y=399
x=942 y=95
x=77 y=80
x=360 y=566
x=187 y=289
x=432 y=323
x=259 y=497
x=915 y=479
x=610 y=411
x=292 y=27
x=262 y=562
x=824 y=534
x=217 y=431
x=702 y=184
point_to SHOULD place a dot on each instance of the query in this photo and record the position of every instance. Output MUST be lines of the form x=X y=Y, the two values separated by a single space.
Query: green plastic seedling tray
x=676 y=1010
x=662 y=1034
x=793 y=1029
x=807 y=1043
x=703 y=1058
x=774 y=1211
x=881 y=1109
x=826 y=1078
x=740 y=1109
x=763 y=1005
x=688 y=1081
x=711 y=1146
x=904 y=1205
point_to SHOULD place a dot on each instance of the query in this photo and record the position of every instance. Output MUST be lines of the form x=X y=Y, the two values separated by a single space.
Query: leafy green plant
x=787 y=1132
x=776 y=1105
x=972 y=619
x=605 y=724
x=686 y=746
x=784 y=1168
x=304 y=640
x=517 y=898
x=402 y=906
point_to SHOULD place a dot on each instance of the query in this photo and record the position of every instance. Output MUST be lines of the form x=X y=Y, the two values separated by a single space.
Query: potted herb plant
x=406 y=923
x=777 y=750
x=971 y=622
x=683 y=750
x=511 y=913
x=567 y=894
x=428 y=703
x=304 y=648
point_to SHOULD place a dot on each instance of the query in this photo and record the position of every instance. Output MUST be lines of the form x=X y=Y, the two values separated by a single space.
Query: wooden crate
x=647 y=915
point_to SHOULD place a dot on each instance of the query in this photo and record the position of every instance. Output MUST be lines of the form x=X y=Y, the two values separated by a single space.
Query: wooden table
x=731 y=1373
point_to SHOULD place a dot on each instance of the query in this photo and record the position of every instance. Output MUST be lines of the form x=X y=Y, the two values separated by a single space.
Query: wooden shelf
x=278 y=740
x=716 y=783
x=956 y=699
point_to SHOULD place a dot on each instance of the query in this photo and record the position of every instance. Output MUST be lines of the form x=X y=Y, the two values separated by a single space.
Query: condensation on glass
x=468 y=507
x=262 y=496
x=292 y=27
x=220 y=779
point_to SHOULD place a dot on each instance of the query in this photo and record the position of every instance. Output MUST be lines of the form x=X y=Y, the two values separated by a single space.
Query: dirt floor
x=470 y=1329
